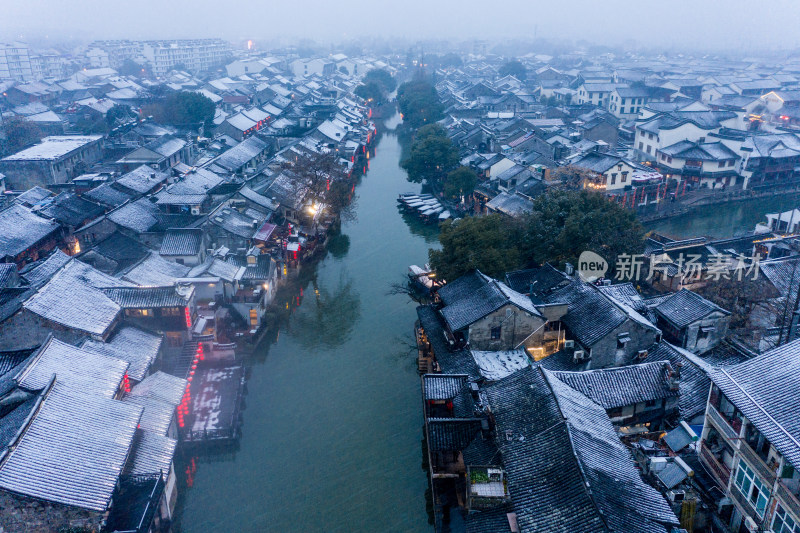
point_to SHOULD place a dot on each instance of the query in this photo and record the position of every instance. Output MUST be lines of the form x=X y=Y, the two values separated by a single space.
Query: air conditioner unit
x=580 y=356
x=676 y=495
x=195 y=210
x=569 y=344
x=750 y=524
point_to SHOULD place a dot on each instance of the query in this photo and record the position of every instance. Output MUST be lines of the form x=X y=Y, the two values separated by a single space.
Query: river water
x=724 y=220
x=331 y=439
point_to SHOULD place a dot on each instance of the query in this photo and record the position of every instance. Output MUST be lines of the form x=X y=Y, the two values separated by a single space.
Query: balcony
x=723 y=425
x=718 y=469
x=741 y=499
x=757 y=463
x=789 y=500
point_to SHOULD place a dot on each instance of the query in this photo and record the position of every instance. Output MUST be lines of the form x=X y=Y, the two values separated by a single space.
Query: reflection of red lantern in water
x=191 y=468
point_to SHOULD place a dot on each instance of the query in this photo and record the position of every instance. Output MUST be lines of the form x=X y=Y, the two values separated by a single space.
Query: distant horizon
x=705 y=26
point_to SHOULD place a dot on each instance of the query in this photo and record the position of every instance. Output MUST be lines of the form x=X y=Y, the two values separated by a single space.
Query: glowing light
x=249 y=44
x=188 y=316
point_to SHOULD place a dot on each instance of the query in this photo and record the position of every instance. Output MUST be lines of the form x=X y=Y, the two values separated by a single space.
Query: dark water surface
x=724 y=220
x=332 y=423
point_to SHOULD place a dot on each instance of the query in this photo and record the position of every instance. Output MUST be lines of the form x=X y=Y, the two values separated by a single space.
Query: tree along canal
x=332 y=423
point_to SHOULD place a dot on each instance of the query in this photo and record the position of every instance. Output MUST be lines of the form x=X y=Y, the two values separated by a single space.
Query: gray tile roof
x=765 y=389
x=21 y=229
x=474 y=295
x=145 y=297
x=157 y=416
x=71 y=298
x=626 y=293
x=700 y=151
x=8 y=273
x=520 y=280
x=162 y=386
x=494 y=365
x=151 y=453
x=142 y=179
x=238 y=156
x=258 y=199
x=685 y=307
x=590 y=315
x=451 y=362
x=121 y=248
x=443 y=386
x=155 y=271
x=108 y=195
x=236 y=223
x=567 y=469
x=33 y=196
x=512 y=205
x=493 y=520
x=139 y=216
x=74 y=367
x=182 y=241
x=451 y=434
x=73 y=450
x=71 y=210
x=263 y=269
x=40 y=272
x=617 y=387
x=133 y=345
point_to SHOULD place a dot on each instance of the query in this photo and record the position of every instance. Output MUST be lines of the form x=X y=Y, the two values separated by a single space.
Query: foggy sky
x=709 y=24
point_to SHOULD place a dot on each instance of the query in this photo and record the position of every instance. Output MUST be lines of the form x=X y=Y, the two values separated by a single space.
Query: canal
x=722 y=221
x=332 y=427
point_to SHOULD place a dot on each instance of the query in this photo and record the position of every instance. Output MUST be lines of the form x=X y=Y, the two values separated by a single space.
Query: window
x=649 y=148
x=622 y=111
x=650 y=136
x=753 y=489
x=496 y=333
x=641 y=146
x=783 y=523
x=622 y=340
x=624 y=177
x=613 y=178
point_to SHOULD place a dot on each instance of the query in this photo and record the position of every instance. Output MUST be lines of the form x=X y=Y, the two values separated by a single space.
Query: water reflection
x=723 y=220
x=329 y=316
x=338 y=245
x=429 y=232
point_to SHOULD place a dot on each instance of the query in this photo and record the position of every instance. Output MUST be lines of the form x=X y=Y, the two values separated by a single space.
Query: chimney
x=569 y=269
x=674 y=376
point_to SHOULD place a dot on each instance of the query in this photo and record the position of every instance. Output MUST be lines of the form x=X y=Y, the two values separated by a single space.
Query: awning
x=265 y=232
x=199 y=326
